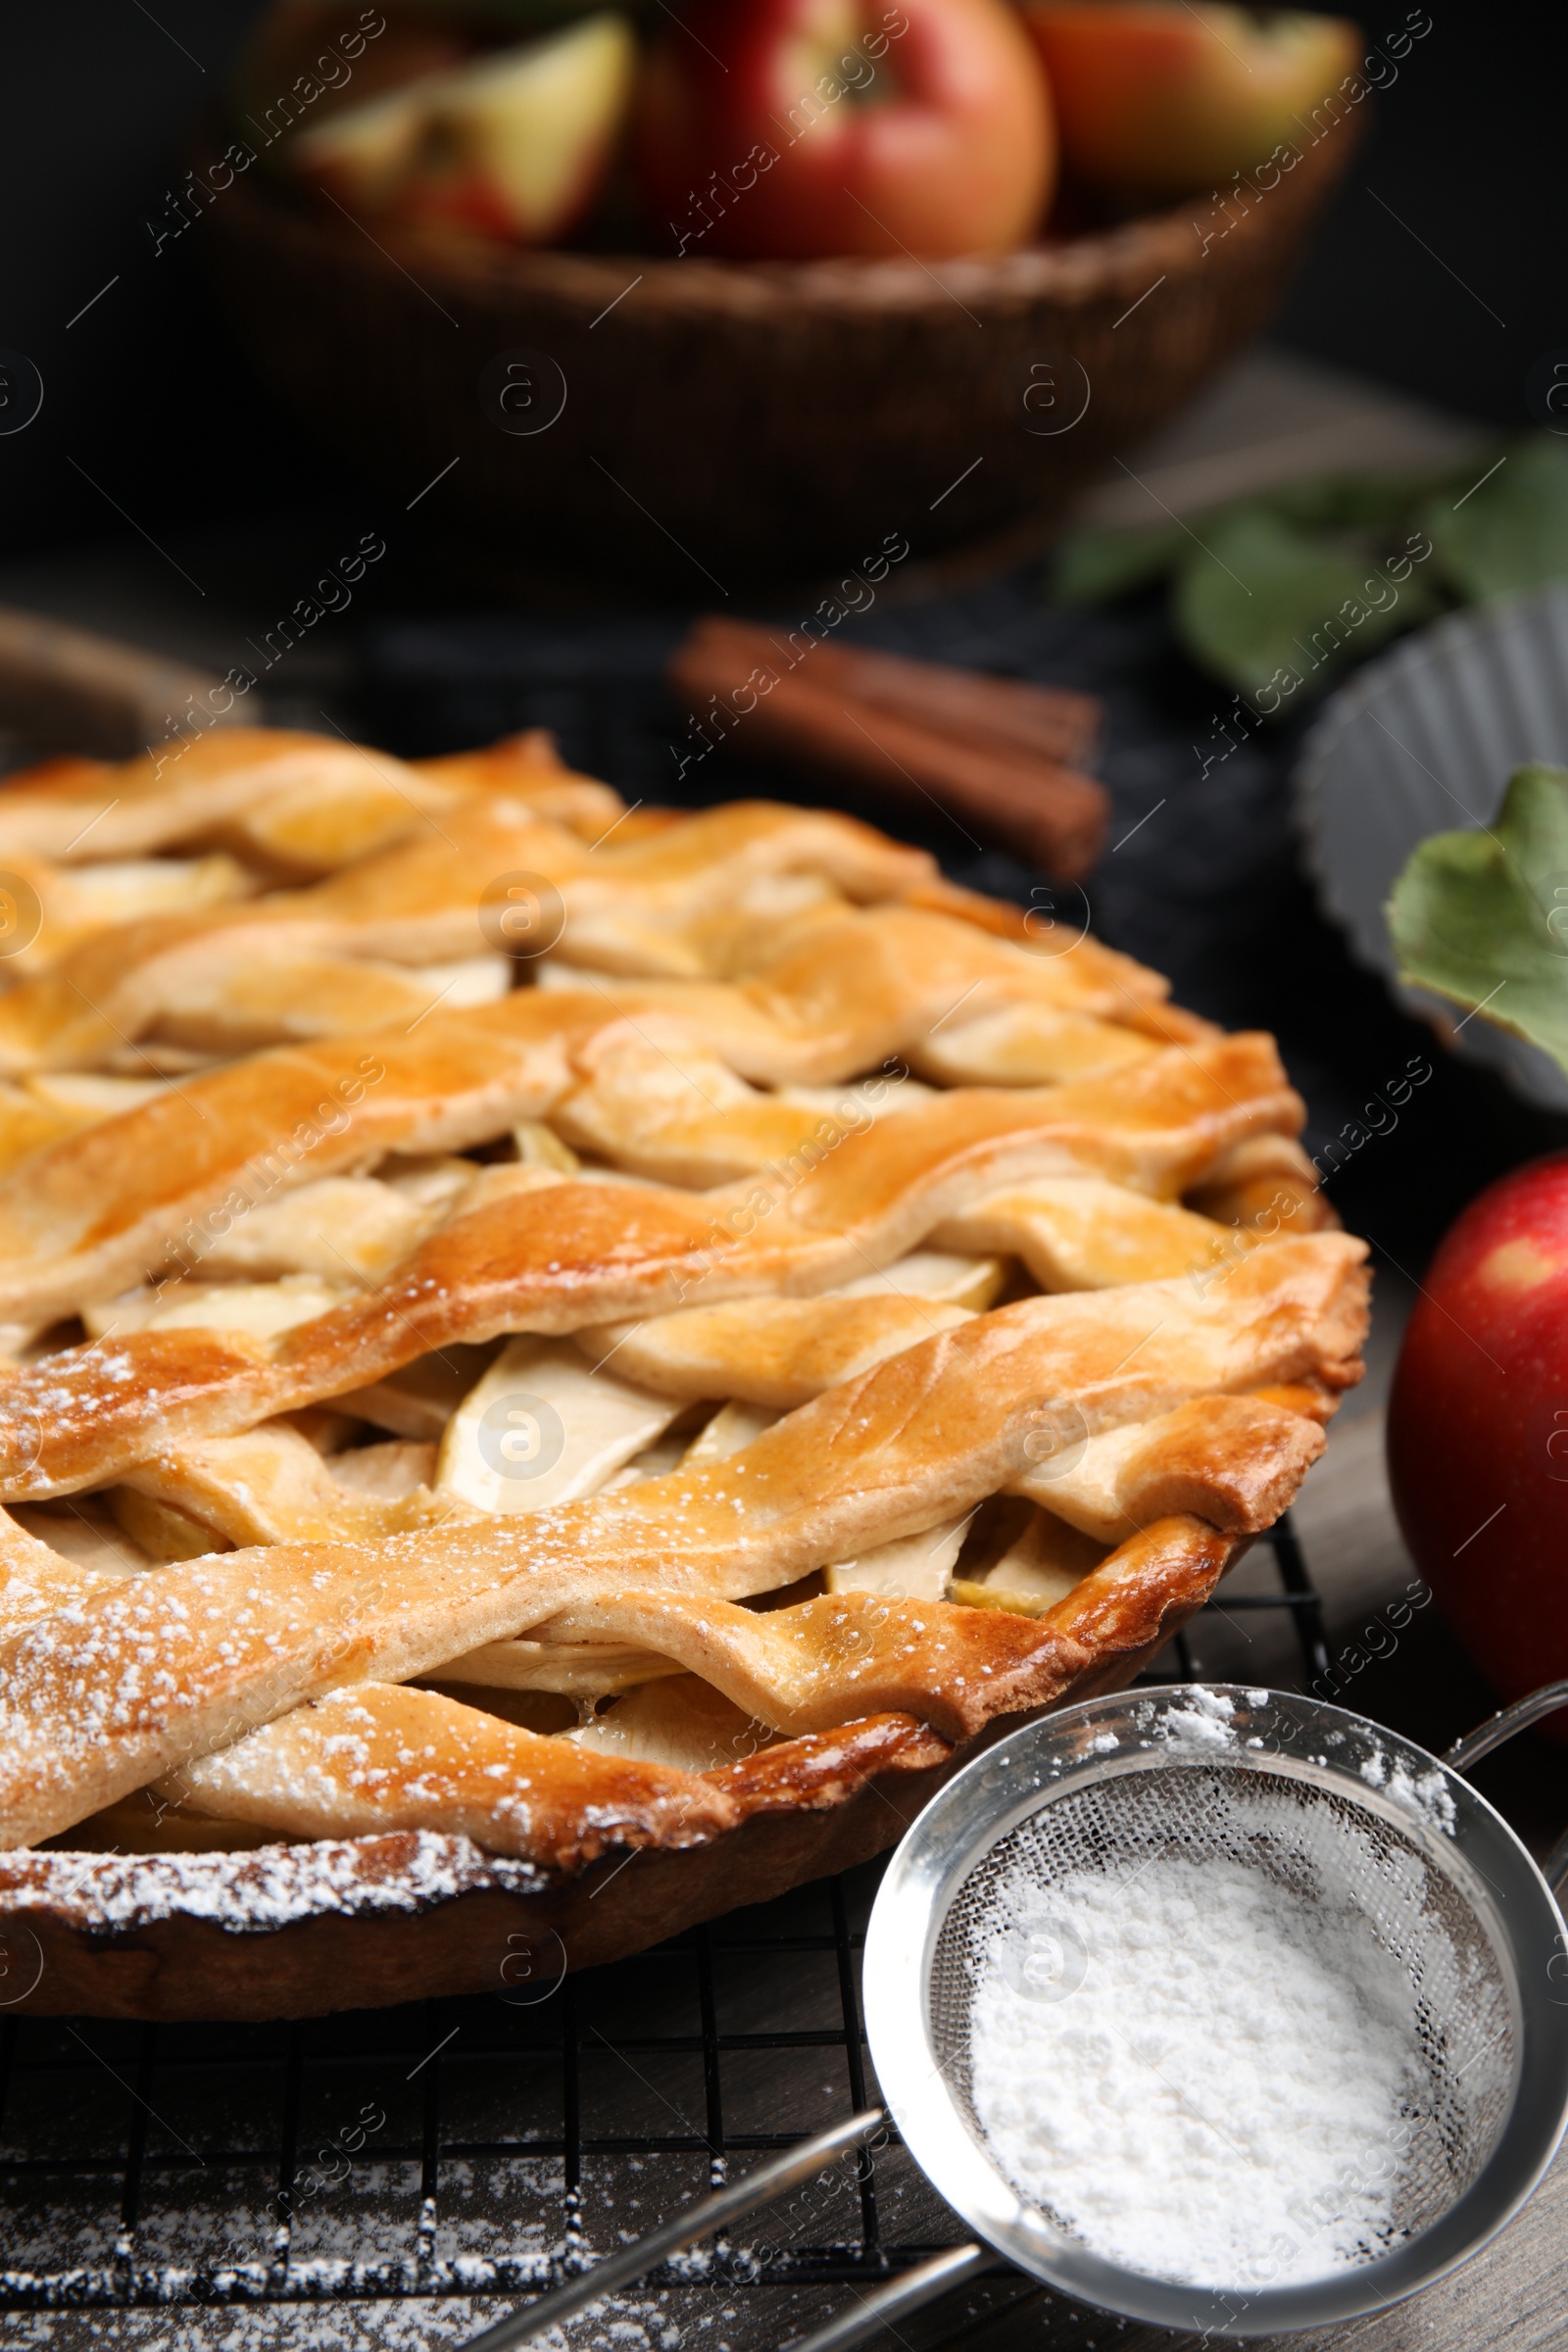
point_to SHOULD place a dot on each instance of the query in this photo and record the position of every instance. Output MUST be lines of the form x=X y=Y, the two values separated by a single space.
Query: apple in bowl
x=1155 y=99
x=793 y=130
x=515 y=143
x=1478 y=1431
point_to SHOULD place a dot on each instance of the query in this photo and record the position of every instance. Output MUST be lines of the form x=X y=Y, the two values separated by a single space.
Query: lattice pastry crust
x=469 y=1420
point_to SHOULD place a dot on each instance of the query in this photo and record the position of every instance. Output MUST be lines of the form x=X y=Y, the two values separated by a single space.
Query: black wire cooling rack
x=484 y=2147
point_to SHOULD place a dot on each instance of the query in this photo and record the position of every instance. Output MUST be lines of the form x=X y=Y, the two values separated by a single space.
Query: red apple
x=515 y=144
x=796 y=128
x=1160 y=97
x=1478 y=1430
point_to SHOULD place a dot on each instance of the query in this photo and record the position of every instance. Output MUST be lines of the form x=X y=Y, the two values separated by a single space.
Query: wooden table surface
x=1513 y=2297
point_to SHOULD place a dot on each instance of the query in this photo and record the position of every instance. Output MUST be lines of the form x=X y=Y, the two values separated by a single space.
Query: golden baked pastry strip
x=808 y=987
x=377 y=1756
x=826 y=993
x=864 y=986
x=1072 y=1232
x=821 y=1663
x=103 y=1697
x=36 y=1579
x=77 y=902
x=44 y=1109
x=238 y=1139
x=341 y=1767
x=634 y=904
x=108 y=1204
x=655 y=1096
x=567 y=1253
x=376 y=944
x=341 y=1764
x=815 y=1024
x=156 y=1185
x=271 y=1485
x=163 y=1185
x=631 y=1805
x=288 y=801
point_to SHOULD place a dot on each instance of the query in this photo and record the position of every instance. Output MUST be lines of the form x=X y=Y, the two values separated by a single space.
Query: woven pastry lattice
x=536 y=1330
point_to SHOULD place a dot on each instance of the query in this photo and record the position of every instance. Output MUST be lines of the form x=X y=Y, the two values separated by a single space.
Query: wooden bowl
x=729 y=424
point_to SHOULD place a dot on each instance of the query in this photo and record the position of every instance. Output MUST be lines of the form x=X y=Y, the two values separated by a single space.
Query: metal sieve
x=1333 y=1811
x=1328 y=1808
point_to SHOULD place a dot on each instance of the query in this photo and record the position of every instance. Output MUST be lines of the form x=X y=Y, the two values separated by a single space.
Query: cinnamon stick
x=1053 y=816
x=1050 y=721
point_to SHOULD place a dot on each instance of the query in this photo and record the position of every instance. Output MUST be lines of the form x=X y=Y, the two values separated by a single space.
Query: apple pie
x=564 y=1363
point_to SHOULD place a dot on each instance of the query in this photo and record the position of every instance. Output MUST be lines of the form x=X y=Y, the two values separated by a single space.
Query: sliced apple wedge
x=515 y=144
x=911 y=1568
x=362 y=155
x=519 y=143
x=542 y=1428
x=1155 y=99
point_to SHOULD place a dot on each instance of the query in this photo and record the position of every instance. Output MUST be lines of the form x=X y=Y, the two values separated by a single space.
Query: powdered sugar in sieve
x=1221 y=2008
x=1202 y=2048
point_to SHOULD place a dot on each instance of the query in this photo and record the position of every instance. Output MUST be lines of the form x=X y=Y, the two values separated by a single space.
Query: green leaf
x=1375 y=502
x=1482 y=917
x=1510 y=533
x=1090 y=568
x=1273 y=609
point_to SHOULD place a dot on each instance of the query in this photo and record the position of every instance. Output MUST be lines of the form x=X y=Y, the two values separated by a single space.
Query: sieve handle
x=697 y=2220
x=1502 y=1726
x=1494 y=1734
x=915 y=2289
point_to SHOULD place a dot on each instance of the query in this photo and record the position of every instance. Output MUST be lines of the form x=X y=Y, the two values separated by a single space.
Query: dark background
x=146 y=394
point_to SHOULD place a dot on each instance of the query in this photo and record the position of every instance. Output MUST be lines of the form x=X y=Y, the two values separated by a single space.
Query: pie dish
x=563 y=1365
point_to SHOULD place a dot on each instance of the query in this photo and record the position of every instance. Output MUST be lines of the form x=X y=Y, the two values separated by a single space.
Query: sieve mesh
x=1320 y=1845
